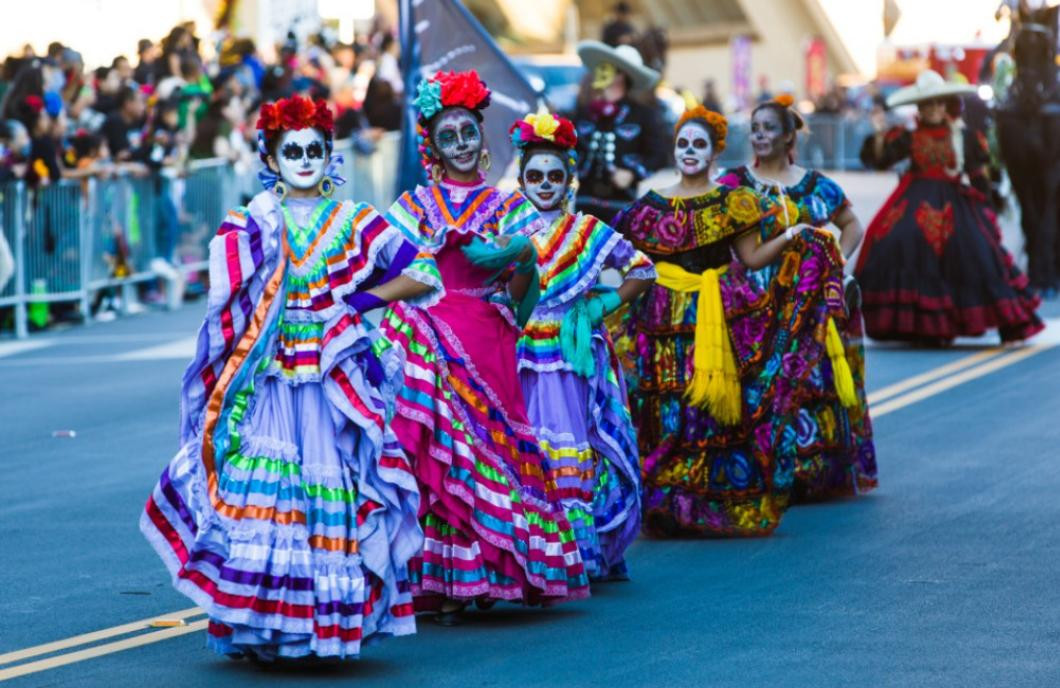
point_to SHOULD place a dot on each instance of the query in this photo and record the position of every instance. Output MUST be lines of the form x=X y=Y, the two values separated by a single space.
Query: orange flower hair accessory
x=715 y=120
x=786 y=101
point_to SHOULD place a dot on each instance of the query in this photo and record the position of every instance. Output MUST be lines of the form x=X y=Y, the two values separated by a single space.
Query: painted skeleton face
x=693 y=150
x=545 y=180
x=302 y=157
x=457 y=139
x=768 y=139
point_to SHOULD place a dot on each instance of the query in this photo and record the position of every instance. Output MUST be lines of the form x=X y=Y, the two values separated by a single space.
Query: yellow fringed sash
x=715 y=382
x=841 y=375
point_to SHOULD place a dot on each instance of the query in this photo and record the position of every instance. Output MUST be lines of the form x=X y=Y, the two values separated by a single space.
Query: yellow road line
x=92 y=637
x=106 y=649
x=1014 y=356
x=933 y=374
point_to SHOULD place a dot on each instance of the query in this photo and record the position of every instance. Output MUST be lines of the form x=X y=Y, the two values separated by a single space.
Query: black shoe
x=449 y=619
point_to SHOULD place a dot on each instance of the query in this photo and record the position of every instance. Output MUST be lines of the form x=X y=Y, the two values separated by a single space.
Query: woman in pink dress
x=494 y=526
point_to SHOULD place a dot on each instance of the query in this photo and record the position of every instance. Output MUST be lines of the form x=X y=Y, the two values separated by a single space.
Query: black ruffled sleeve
x=897 y=144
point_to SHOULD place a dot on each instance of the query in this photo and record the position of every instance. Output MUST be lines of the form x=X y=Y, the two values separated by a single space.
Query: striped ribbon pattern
x=290 y=553
x=492 y=527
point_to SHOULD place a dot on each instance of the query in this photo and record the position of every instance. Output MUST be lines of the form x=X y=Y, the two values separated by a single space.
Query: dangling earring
x=757 y=161
x=280 y=190
x=485 y=162
x=791 y=157
x=436 y=173
x=325 y=186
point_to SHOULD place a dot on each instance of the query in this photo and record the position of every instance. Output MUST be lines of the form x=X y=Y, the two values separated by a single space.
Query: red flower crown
x=295 y=113
x=446 y=90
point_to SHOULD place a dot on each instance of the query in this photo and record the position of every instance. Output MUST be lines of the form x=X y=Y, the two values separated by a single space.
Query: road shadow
x=501 y=617
x=307 y=669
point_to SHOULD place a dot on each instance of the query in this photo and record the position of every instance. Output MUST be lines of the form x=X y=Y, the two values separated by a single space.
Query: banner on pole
x=740 y=50
x=447 y=37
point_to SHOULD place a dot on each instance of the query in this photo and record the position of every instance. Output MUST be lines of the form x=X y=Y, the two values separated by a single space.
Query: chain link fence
x=830 y=142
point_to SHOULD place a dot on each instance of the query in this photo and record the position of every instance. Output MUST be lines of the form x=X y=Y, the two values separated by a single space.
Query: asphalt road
x=945 y=576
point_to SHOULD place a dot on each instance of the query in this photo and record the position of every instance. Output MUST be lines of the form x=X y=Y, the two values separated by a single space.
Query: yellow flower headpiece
x=544 y=124
x=544 y=127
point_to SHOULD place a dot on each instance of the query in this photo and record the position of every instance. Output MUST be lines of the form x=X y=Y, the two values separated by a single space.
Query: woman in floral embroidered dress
x=837 y=457
x=932 y=267
x=494 y=527
x=719 y=363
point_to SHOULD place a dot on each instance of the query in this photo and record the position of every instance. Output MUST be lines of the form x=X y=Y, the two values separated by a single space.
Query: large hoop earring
x=325 y=186
x=279 y=189
x=485 y=162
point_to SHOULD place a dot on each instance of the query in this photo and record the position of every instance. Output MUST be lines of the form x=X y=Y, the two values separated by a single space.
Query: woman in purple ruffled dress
x=289 y=514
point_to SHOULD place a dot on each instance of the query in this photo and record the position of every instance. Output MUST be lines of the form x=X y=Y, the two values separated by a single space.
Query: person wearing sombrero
x=932 y=267
x=616 y=135
x=836 y=453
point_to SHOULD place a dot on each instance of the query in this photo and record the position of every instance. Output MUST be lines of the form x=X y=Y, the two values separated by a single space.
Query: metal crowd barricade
x=371 y=178
x=120 y=231
x=202 y=197
x=829 y=142
x=55 y=245
x=13 y=294
x=74 y=240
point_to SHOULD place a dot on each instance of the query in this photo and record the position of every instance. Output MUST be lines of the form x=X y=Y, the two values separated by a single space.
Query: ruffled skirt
x=932 y=268
x=590 y=452
x=493 y=528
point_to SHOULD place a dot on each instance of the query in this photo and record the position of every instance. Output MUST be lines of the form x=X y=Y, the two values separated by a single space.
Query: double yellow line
x=938 y=380
x=172 y=626
x=147 y=631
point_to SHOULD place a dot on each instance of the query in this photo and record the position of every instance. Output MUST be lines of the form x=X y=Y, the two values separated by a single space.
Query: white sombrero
x=625 y=58
x=929 y=84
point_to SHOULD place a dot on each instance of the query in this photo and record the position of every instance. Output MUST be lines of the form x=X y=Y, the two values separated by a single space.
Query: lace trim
x=591 y=275
x=441 y=227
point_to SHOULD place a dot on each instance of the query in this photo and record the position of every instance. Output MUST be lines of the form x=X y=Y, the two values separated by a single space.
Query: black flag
x=441 y=35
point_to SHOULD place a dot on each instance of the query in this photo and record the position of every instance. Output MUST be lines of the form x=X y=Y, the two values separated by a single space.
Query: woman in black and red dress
x=932 y=267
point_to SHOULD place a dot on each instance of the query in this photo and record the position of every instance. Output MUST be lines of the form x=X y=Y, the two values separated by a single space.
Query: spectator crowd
x=181 y=98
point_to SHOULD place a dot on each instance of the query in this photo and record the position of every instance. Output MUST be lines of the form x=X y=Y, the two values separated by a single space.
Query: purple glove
x=363 y=301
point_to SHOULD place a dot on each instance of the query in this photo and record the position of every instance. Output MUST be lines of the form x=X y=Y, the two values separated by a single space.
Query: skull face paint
x=545 y=180
x=302 y=158
x=693 y=150
x=768 y=139
x=457 y=139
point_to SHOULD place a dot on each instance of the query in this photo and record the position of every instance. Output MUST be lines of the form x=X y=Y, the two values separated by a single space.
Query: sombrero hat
x=929 y=84
x=625 y=58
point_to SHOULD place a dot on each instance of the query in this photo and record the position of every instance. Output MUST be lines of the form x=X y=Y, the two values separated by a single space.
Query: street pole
x=410 y=174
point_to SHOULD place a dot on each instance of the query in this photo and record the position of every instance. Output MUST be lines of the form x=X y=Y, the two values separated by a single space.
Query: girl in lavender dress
x=570 y=374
